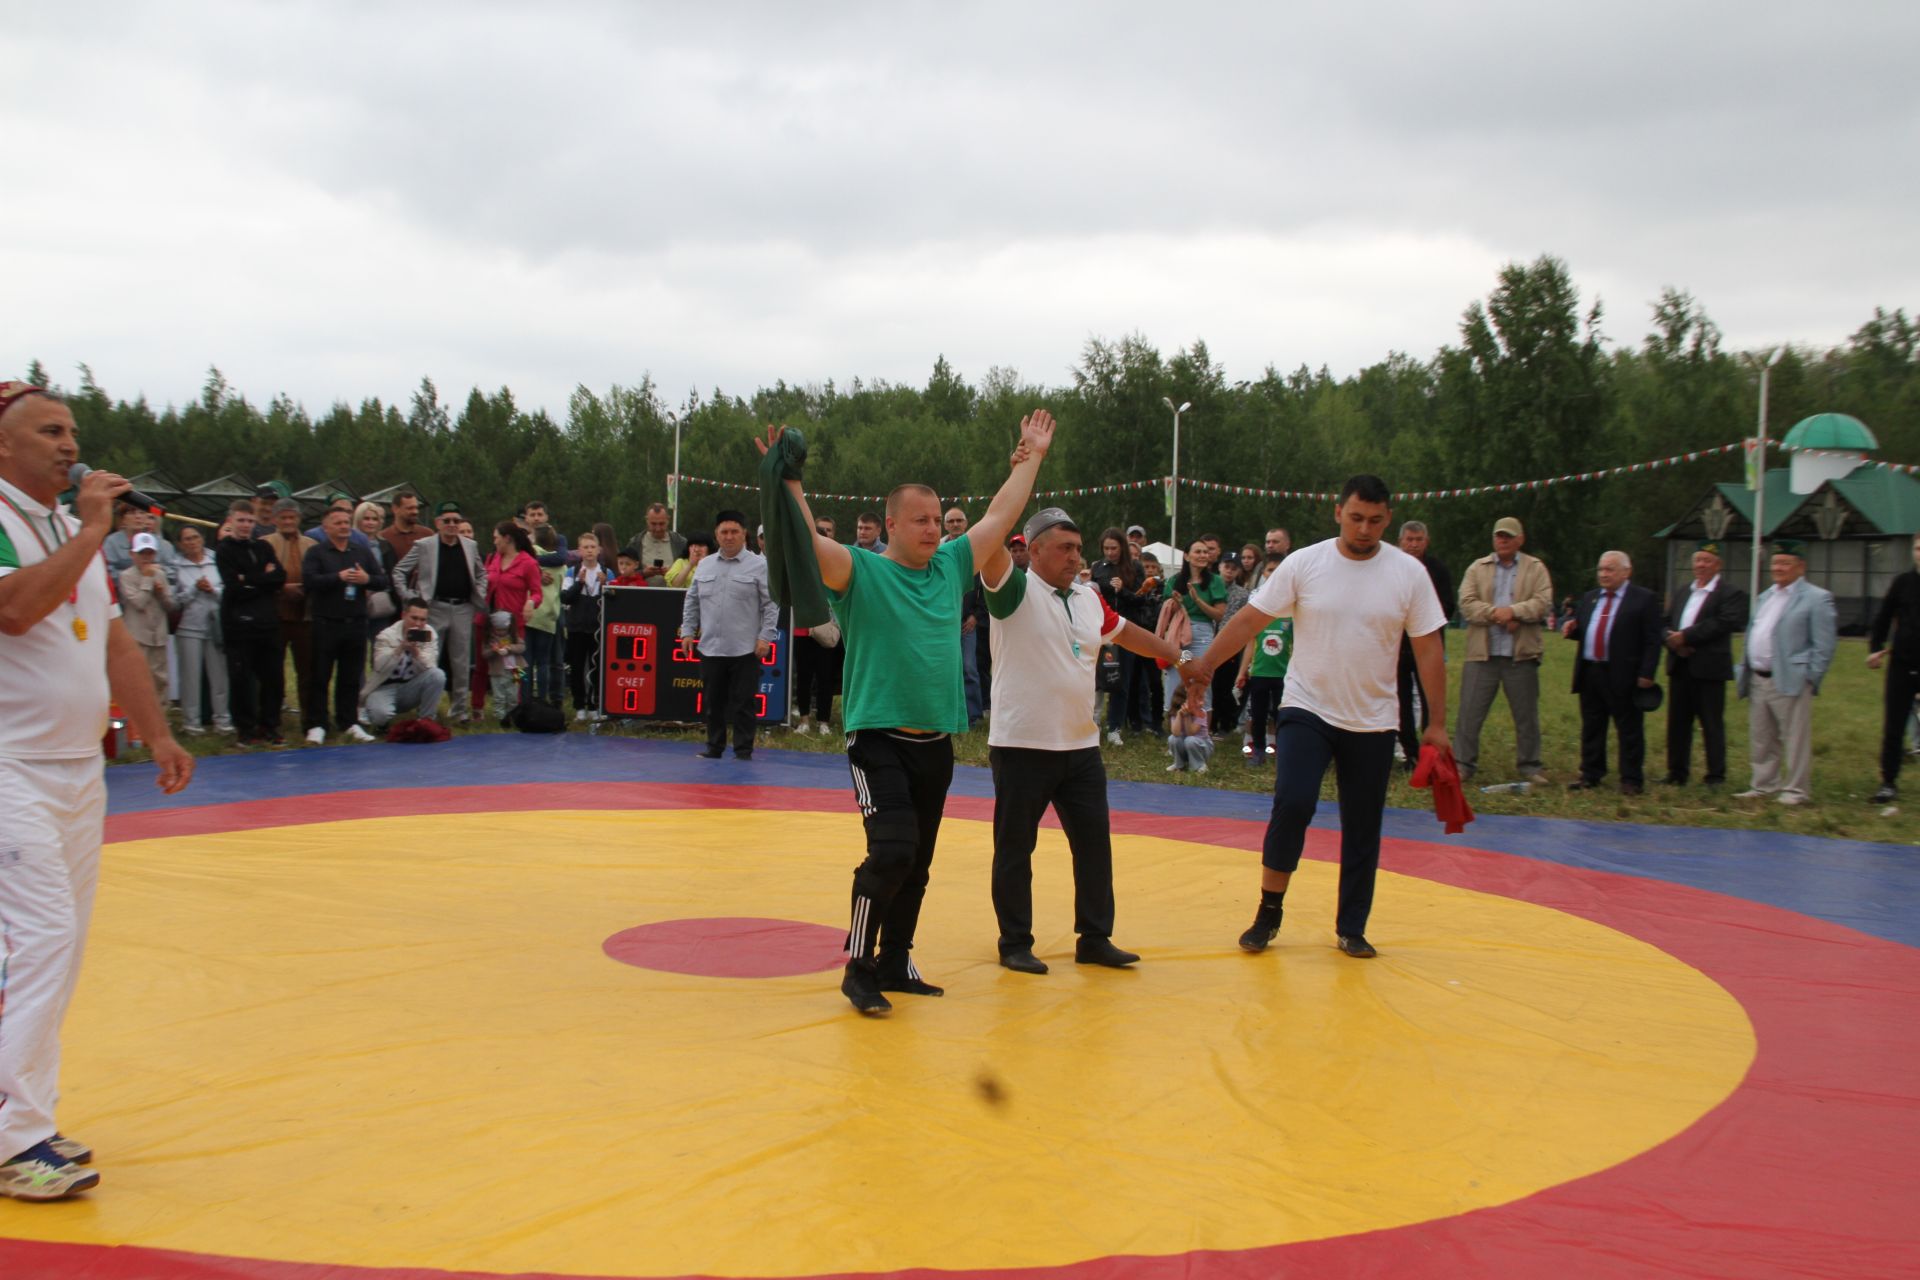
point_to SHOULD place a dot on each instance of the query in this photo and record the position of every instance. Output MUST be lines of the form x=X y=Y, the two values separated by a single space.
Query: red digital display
x=628 y=683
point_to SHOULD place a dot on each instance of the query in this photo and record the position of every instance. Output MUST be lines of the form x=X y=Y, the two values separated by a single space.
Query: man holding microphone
x=63 y=637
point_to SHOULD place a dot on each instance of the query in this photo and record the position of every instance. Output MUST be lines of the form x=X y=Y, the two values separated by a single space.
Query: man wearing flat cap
x=1044 y=739
x=1789 y=648
x=1505 y=599
x=1701 y=620
x=446 y=571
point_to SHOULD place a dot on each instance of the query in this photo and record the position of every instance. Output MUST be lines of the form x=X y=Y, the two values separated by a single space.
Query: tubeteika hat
x=1710 y=546
x=1790 y=547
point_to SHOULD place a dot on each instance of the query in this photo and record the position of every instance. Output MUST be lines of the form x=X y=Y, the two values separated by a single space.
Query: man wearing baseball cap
x=65 y=653
x=1505 y=599
x=1044 y=739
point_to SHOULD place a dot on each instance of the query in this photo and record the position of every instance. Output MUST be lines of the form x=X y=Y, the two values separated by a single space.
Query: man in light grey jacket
x=1789 y=648
x=446 y=572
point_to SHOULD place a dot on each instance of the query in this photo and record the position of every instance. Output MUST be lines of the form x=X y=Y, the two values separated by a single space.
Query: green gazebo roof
x=1831 y=431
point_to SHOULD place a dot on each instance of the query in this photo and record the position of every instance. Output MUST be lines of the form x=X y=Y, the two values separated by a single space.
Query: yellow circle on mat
x=397 y=1043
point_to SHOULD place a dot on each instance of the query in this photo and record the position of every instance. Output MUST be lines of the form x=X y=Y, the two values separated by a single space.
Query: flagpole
x=1760 y=490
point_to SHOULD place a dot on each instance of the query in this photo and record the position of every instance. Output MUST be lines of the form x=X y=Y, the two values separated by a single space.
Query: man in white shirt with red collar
x=65 y=648
x=1044 y=742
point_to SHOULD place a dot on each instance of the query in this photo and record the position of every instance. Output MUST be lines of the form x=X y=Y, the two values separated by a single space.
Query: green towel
x=793 y=571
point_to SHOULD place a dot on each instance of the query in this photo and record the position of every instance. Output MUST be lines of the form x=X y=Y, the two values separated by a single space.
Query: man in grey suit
x=446 y=572
x=1789 y=648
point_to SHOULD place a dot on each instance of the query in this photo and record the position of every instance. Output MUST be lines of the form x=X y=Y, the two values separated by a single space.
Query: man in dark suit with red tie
x=1701 y=621
x=1618 y=629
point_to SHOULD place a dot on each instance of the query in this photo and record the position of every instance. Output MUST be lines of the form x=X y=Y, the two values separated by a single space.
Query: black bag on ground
x=536 y=716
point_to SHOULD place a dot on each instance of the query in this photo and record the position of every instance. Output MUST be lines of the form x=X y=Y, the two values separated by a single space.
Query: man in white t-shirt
x=64 y=653
x=1044 y=743
x=1351 y=597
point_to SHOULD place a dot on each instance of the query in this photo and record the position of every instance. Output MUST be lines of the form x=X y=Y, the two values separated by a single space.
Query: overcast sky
x=332 y=200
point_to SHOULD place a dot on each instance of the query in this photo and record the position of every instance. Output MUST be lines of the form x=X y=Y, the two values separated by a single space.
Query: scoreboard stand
x=648 y=674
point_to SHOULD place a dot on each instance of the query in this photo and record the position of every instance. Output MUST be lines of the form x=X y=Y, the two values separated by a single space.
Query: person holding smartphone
x=406 y=674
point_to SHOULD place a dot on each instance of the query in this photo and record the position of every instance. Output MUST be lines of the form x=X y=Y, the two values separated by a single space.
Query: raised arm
x=836 y=561
x=991 y=532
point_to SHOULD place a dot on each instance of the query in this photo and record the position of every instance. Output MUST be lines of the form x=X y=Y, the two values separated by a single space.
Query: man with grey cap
x=1044 y=739
x=1505 y=599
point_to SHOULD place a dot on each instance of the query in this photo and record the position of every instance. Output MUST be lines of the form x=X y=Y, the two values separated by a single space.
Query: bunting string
x=1251 y=491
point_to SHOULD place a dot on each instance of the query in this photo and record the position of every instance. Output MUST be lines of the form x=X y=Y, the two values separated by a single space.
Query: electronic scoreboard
x=648 y=673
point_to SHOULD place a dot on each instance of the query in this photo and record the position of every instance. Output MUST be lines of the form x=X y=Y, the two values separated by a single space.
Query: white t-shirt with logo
x=53 y=679
x=1348 y=617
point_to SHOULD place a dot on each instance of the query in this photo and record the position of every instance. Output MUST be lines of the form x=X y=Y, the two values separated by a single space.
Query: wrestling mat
x=569 y=1007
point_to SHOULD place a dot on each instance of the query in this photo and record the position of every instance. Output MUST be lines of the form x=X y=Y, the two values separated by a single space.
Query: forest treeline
x=1534 y=387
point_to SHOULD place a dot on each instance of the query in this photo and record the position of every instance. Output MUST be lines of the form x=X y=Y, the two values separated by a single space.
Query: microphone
x=80 y=471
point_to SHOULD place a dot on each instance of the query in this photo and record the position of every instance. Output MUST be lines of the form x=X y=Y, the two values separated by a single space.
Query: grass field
x=1846 y=738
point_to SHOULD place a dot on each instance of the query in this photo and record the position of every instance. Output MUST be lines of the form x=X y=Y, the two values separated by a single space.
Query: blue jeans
x=1202 y=637
x=543 y=648
x=969 y=652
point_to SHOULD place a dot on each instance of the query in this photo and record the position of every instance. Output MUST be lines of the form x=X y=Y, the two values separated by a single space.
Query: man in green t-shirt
x=902 y=695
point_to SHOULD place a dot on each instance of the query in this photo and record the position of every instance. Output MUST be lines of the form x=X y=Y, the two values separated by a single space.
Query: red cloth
x=420 y=730
x=1437 y=770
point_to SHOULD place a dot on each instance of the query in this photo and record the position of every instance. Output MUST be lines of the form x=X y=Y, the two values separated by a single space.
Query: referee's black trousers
x=900 y=781
x=1025 y=782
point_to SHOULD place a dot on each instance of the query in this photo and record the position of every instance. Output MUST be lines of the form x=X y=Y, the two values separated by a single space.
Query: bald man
x=65 y=650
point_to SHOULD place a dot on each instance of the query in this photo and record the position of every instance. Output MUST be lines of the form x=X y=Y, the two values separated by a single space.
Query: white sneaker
x=40 y=1178
x=356 y=734
x=1751 y=795
x=1173 y=768
x=1201 y=767
x=1789 y=798
x=800 y=727
x=316 y=736
x=580 y=716
x=1113 y=738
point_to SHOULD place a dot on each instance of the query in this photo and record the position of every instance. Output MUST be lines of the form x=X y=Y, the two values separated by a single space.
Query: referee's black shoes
x=1096 y=950
x=1023 y=961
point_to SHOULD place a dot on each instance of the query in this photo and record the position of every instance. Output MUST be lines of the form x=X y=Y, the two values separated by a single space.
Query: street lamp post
x=1760 y=491
x=1173 y=505
x=675 y=495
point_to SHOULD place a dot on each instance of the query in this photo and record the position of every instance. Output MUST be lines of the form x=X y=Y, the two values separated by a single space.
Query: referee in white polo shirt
x=1044 y=742
x=64 y=647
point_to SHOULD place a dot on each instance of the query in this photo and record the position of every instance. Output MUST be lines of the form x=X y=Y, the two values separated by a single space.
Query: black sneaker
x=861 y=985
x=900 y=975
x=1357 y=947
x=1266 y=923
x=1887 y=794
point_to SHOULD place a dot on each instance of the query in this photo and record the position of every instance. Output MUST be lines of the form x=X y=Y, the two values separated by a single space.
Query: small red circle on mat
x=730 y=947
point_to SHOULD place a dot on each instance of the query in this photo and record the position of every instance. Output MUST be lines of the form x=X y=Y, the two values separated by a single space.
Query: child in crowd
x=580 y=598
x=506 y=659
x=628 y=563
x=1263 y=674
x=1187 y=736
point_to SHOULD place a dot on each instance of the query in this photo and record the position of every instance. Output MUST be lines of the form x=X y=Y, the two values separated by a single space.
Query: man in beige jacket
x=1505 y=599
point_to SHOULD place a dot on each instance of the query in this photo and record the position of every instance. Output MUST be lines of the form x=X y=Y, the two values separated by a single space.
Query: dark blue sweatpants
x=1303 y=746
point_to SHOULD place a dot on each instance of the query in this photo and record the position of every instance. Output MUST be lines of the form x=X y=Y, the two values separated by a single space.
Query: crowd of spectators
x=381 y=613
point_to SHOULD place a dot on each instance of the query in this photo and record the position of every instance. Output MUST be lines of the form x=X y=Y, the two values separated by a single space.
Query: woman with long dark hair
x=1121 y=580
x=603 y=533
x=1203 y=594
